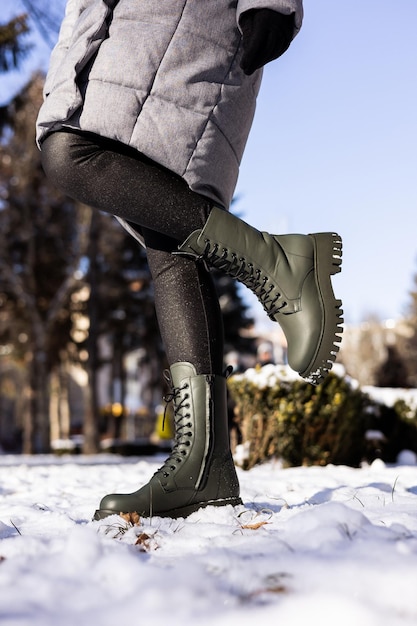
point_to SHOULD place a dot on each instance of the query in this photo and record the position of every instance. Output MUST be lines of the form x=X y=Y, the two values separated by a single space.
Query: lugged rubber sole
x=183 y=511
x=327 y=262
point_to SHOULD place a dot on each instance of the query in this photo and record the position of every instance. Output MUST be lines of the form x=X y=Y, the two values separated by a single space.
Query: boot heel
x=328 y=252
x=327 y=262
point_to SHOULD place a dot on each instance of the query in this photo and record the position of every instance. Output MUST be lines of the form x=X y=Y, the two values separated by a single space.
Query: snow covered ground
x=313 y=546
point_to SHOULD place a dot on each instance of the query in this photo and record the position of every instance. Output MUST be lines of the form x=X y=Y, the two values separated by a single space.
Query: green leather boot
x=200 y=469
x=290 y=275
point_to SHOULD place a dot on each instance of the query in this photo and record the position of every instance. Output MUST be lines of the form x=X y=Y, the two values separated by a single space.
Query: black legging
x=112 y=177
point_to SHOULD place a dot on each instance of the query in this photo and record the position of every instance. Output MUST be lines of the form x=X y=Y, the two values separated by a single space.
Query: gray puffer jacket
x=162 y=76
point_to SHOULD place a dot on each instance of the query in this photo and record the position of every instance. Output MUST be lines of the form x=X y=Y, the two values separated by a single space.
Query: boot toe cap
x=116 y=504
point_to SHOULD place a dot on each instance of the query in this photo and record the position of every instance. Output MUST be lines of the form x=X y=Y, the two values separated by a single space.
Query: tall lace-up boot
x=200 y=469
x=290 y=275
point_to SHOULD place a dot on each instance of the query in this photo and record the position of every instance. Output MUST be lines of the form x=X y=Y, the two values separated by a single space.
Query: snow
x=389 y=396
x=310 y=545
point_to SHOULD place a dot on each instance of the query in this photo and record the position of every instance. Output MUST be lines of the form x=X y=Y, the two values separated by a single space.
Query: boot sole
x=327 y=262
x=174 y=513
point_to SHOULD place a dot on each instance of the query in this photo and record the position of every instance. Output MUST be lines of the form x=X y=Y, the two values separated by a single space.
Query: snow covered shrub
x=281 y=416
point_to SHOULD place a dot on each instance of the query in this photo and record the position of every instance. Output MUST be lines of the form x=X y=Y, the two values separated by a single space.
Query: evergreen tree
x=13 y=47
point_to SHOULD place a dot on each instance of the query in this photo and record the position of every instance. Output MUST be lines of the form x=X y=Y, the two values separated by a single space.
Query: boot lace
x=245 y=272
x=183 y=428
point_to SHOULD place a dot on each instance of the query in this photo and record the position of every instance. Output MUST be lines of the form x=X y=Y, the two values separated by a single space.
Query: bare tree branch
x=46 y=19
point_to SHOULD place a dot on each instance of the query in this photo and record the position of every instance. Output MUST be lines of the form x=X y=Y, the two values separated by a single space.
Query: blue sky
x=334 y=145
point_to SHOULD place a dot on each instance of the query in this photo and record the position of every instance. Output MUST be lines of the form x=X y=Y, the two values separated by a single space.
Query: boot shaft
x=253 y=257
x=201 y=426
